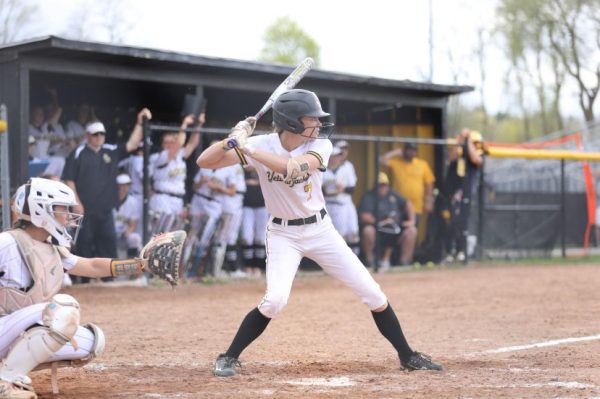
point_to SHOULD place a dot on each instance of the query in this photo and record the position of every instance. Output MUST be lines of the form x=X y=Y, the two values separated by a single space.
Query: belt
x=205 y=196
x=301 y=221
x=171 y=194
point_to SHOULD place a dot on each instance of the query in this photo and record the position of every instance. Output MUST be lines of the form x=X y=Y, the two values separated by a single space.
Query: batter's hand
x=243 y=144
x=244 y=128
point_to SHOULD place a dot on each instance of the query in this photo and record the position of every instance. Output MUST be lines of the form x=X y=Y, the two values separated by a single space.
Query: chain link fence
x=534 y=206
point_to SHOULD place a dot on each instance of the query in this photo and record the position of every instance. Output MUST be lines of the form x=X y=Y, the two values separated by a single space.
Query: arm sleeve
x=321 y=149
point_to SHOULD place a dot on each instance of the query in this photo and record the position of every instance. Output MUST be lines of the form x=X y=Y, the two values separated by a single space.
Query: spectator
x=126 y=215
x=45 y=127
x=394 y=224
x=76 y=127
x=412 y=178
x=254 y=224
x=168 y=170
x=206 y=208
x=339 y=181
x=465 y=159
x=234 y=206
x=133 y=166
x=91 y=171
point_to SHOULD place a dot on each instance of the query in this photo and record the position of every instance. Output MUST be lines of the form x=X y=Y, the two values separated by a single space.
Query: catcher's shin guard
x=96 y=349
x=61 y=319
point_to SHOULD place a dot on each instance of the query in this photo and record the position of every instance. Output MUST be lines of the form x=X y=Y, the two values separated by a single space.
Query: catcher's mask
x=292 y=105
x=40 y=201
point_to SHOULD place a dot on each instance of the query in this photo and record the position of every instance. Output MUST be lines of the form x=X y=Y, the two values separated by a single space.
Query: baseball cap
x=382 y=178
x=95 y=128
x=475 y=136
x=341 y=144
x=410 y=145
x=336 y=151
x=123 y=179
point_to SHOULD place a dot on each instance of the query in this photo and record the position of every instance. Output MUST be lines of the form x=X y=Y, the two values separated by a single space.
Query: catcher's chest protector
x=45 y=266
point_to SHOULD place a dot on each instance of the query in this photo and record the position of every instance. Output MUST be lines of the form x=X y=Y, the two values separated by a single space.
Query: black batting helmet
x=293 y=105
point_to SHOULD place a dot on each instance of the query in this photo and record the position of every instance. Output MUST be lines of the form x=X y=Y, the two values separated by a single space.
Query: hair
x=21 y=224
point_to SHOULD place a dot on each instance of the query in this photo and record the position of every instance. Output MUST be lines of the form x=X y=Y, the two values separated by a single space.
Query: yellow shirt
x=410 y=179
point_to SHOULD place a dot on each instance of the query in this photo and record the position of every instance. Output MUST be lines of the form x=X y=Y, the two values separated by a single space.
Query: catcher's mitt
x=163 y=253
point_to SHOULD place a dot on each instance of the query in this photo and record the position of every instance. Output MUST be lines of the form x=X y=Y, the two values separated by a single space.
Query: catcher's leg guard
x=61 y=319
x=92 y=344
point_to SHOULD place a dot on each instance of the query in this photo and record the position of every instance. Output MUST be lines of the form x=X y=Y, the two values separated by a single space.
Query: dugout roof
x=125 y=78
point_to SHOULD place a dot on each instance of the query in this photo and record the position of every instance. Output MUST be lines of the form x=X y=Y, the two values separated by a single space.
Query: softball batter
x=290 y=165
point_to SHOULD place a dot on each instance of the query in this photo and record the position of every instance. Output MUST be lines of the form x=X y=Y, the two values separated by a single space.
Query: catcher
x=40 y=328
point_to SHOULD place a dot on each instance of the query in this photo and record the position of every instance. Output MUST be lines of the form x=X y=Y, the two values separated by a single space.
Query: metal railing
x=4 y=169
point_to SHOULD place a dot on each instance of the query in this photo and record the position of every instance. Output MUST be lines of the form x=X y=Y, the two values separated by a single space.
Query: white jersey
x=223 y=176
x=43 y=135
x=168 y=177
x=236 y=201
x=344 y=175
x=75 y=131
x=291 y=198
x=134 y=164
x=13 y=270
x=127 y=211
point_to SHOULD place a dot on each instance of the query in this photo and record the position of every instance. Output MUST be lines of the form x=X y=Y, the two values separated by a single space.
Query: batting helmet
x=35 y=202
x=293 y=105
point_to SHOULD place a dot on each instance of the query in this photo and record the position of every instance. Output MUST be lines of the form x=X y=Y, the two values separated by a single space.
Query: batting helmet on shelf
x=292 y=105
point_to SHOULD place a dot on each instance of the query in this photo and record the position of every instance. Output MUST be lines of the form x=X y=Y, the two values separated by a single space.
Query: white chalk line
x=542 y=344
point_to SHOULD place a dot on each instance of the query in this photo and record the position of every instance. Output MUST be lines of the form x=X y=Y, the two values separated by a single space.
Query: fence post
x=563 y=210
x=146 y=133
x=481 y=213
x=377 y=248
x=4 y=169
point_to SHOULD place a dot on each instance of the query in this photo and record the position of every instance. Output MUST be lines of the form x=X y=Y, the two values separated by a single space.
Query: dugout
x=119 y=80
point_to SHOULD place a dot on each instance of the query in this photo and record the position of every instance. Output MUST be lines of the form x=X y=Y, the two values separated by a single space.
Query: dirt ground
x=162 y=343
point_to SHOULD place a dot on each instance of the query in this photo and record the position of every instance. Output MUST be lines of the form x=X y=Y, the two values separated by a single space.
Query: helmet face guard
x=48 y=204
x=292 y=105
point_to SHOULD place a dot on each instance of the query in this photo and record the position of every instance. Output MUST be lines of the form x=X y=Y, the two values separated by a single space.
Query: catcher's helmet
x=293 y=105
x=35 y=202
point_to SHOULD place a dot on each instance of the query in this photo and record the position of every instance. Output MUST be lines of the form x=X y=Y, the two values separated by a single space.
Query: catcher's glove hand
x=163 y=253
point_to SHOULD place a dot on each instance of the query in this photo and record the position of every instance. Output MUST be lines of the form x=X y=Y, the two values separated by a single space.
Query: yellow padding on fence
x=2 y=126
x=501 y=152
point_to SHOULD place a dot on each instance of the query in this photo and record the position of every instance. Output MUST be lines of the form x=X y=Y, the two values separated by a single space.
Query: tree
x=574 y=32
x=109 y=21
x=547 y=40
x=287 y=43
x=15 y=16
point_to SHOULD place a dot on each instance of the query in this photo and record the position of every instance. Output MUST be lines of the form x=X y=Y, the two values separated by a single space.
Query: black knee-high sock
x=389 y=327
x=252 y=326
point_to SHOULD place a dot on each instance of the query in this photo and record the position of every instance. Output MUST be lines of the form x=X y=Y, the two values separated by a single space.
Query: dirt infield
x=161 y=343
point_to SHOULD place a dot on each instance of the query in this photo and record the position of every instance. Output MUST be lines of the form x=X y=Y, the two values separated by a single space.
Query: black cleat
x=225 y=366
x=420 y=361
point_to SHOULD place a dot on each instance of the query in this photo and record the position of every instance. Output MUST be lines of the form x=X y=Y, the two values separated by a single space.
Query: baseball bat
x=289 y=83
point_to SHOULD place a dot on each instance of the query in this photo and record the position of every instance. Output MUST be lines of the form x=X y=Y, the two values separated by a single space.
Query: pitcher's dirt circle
x=162 y=343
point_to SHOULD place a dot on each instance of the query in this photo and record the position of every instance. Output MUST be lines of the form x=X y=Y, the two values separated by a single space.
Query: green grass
x=569 y=260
